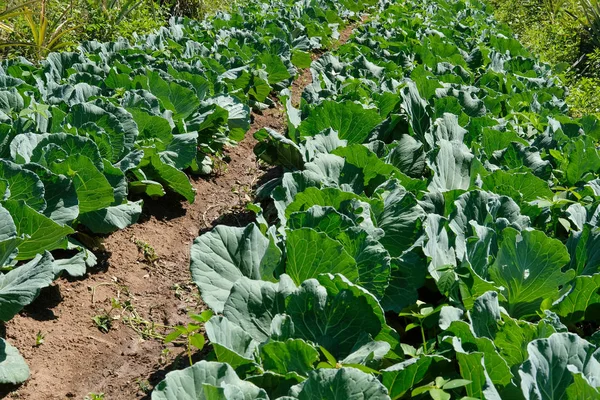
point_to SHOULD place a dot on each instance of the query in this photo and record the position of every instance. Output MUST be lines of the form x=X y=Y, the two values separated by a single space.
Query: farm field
x=299 y=200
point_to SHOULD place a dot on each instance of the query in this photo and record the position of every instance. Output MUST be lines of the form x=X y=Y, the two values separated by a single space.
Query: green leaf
x=122 y=133
x=406 y=278
x=514 y=335
x=401 y=218
x=204 y=380
x=582 y=302
x=173 y=97
x=252 y=304
x=22 y=285
x=276 y=385
x=197 y=340
x=417 y=110
x=456 y=383
x=23 y=185
x=497 y=370
x=553 y=362
x=340 y=384
x=222 y=256
x=93 y=190
x=334 y=313
x=584 y=246
x=582 y=389
x=438 y=394
x=529 y=186
x=529 y=266
x=171 y=177
x=301 y=59
x=276 y=69
x=582 y=157
x=61 y=197
x=274 y=148
x=374 y=170
x=230 y=342
x=293 y=355
x=322 y=219
x=112 y=218
x=40 y=232
x=13 y=368
x=310 y=253
x=473 y=369
x=400 y=378
x=151 y=126
x=352 y=122
x=368 y=355
x=451 y=165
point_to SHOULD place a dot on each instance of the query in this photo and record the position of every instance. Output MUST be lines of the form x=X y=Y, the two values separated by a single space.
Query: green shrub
x=196 y=9
x=101 y=20
x=108 y=20
x=583 y=96
x=549 y=28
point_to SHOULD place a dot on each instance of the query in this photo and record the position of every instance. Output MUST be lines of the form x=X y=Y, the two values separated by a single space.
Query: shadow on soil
x=237 y=218
x=41 y=308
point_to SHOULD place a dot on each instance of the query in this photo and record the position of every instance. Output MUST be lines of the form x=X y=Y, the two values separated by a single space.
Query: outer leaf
x=334 y=313
x=352 y=122
x=582 y=303
x=222 y=256
x=110 y=219
x=252 y=304
x=231 y=343
x=21 y=286
x=310 y=253
x=548 y=372
x=204 y=380
x=41 y=233
x=13 y=368
x=402 y=377
x=529 y=267
x=340 y=384
x=293 y=355
x=93 y=190
x=451 y=166
x=584 y=249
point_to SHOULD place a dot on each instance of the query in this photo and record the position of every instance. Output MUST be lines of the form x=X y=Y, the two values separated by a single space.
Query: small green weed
x=190 y=334
x=39 y=339
x=147 y=250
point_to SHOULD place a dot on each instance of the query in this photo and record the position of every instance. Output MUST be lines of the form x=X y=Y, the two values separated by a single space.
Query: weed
x=220 y=166
x=94 y=396
x=147 y=250
x=146 y=329
x=190 y=334
x=144 y=385
x=104 y=320
x=39 y=339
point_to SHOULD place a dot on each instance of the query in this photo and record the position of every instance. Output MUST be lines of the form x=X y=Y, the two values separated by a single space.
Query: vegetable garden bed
x=433 y=233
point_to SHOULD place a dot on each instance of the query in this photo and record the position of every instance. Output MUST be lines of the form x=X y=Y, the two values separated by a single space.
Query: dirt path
x=76 y=358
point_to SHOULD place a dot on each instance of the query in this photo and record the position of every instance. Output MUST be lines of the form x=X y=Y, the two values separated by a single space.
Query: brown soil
x=76 y=358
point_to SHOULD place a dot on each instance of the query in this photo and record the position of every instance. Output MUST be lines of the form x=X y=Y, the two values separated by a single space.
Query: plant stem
x=189 y=351
x=423 y=337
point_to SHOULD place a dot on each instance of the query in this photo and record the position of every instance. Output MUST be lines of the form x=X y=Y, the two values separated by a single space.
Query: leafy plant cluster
x=434 y=234
x=37 y=27
x=561 y=31
x=84 y=132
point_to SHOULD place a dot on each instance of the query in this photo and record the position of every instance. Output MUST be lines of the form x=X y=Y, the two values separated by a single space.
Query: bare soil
x=76 y=357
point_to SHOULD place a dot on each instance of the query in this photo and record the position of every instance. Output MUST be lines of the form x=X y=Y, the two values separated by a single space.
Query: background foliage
x=101 y=20
x=565 y=33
